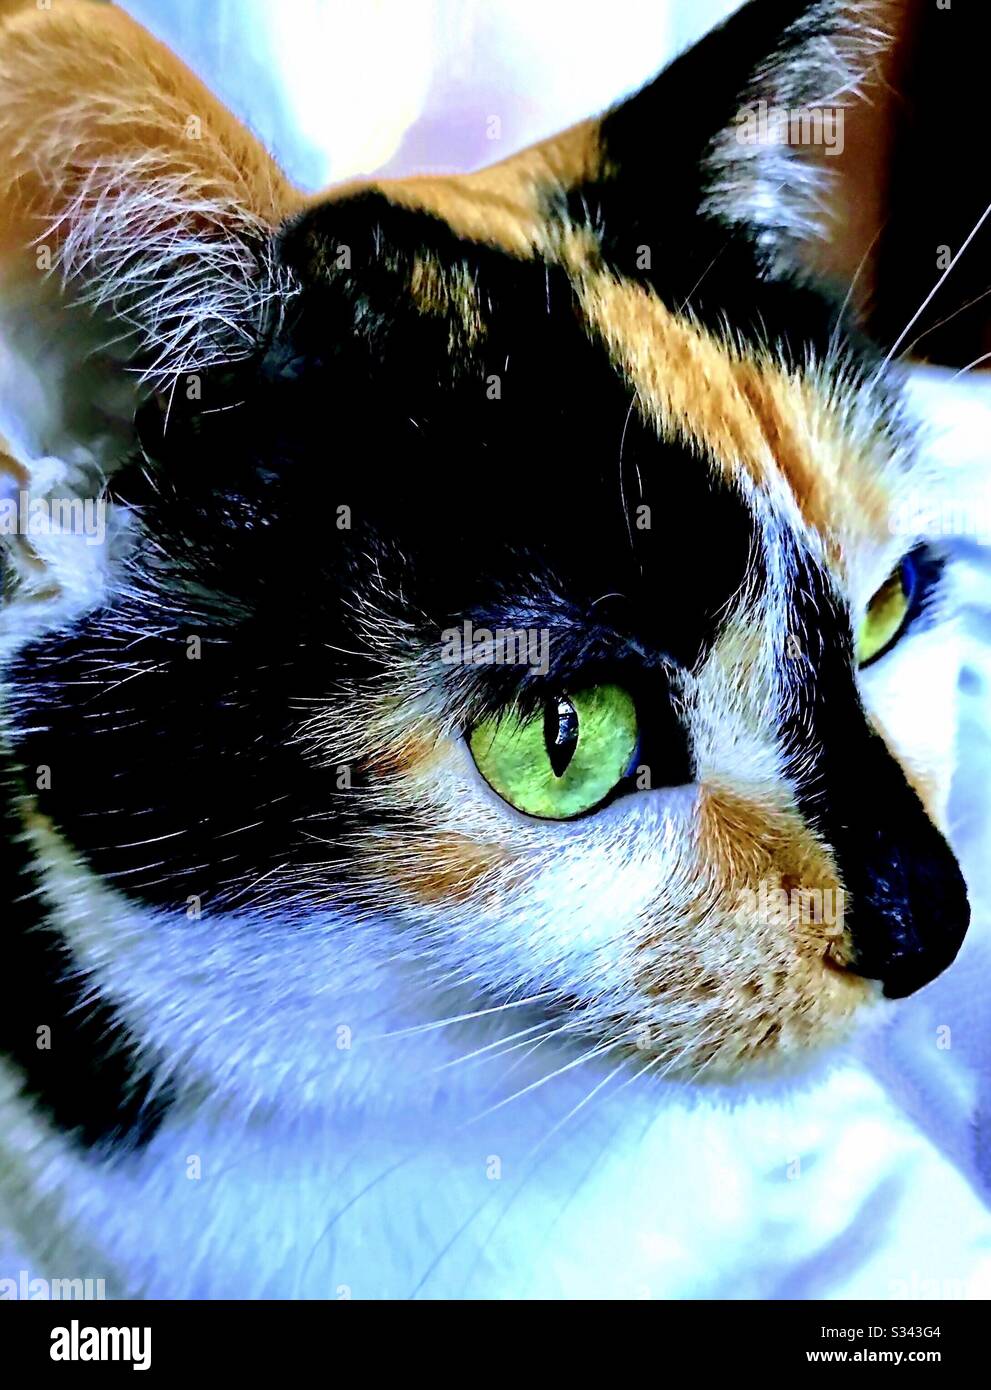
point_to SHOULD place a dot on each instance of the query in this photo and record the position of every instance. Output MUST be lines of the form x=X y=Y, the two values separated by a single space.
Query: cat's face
x=534 y=591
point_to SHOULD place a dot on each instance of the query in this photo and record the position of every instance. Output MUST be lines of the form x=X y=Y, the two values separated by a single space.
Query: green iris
x=564 y=759
x=885 y=617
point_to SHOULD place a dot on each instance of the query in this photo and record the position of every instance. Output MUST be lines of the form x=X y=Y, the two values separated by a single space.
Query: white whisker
x=931 y=295
x=986 y=357
x=459 y=1018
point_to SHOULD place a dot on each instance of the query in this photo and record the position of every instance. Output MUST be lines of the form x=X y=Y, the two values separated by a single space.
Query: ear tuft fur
x=129 y=181
x=188 y=276
x=137 y=222
x=825 y=62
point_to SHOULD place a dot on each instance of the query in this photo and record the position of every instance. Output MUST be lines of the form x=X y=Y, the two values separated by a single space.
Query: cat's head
x=509 y=568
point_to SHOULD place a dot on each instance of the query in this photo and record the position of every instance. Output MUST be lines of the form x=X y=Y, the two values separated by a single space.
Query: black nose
x=910 y=911
x=906 y=909
x=903 y=975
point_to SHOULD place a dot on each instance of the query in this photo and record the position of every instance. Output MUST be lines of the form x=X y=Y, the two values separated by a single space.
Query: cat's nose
x=911 y=975
x=909 y=967
x=910 y=910
x=906 y=909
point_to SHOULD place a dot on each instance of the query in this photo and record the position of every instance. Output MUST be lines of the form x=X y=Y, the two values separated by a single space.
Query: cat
x=485 y=699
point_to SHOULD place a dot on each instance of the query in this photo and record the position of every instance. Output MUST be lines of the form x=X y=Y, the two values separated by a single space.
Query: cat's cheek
x=657 y=947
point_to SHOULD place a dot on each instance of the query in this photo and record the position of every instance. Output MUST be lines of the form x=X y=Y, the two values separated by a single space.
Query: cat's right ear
x=137 y=222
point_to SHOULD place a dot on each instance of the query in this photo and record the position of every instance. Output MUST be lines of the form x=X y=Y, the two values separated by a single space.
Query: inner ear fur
x=897 y=205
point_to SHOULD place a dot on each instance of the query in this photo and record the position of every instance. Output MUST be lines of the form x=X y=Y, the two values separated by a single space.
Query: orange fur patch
x=748 y=985
x=450 y=293
x=739 y=412
x=445 y=868
x=504 y=204
x=10 y=468
x=743 y=842
x=83 y=86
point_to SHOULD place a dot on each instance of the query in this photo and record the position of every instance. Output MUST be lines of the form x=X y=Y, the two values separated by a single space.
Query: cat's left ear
x=779 y=124
x=817 y=130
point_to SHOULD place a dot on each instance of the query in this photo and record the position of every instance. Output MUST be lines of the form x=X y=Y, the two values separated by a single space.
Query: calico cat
x=487 y=685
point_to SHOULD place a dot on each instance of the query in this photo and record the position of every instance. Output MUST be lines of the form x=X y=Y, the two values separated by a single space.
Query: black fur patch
x=505 y=488
x=907 y=910
x=82 y=1074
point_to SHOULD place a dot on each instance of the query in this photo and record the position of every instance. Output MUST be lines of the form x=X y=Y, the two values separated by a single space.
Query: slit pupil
x=560 y=733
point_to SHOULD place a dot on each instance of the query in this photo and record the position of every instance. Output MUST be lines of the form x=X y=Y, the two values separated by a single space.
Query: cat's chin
x=797 y=1068
x=787 y=1048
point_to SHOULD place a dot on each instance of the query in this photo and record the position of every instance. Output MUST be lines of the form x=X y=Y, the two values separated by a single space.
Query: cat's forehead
x=554 y=363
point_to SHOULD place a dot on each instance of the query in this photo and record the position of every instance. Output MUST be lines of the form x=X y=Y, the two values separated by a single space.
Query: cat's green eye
x=563 y=760
x=885 y=617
